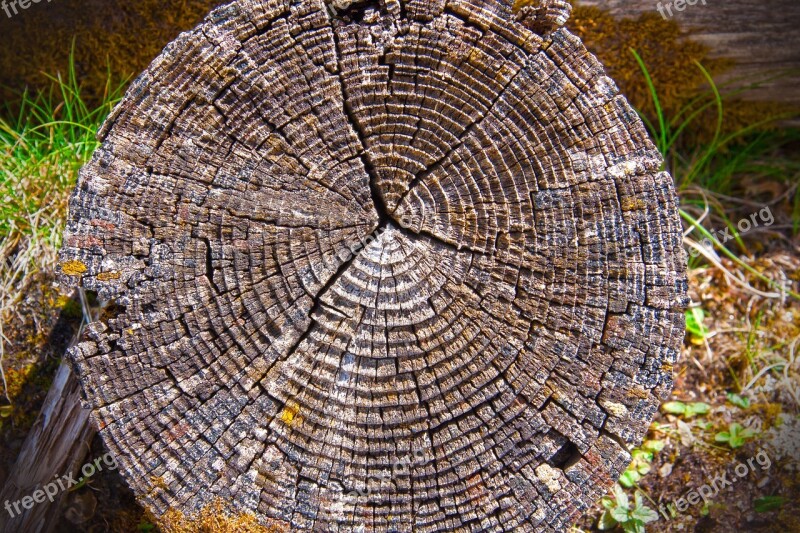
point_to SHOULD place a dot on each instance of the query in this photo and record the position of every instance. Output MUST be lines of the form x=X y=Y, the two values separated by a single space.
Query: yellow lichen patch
x=70 y=307
x=108 y=276
x=73 y=268
x=632 y=204
x=158 y=482
x=216 y=519
x=289 y=413
x=157 y=485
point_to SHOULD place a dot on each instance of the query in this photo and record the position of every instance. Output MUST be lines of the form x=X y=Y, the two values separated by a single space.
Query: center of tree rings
x=386 y=266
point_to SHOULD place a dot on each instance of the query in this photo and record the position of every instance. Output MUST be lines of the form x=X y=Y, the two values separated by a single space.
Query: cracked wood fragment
x=350 y=237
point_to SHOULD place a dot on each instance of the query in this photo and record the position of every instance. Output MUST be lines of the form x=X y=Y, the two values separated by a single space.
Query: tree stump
x=377 y=265
x=760 y=37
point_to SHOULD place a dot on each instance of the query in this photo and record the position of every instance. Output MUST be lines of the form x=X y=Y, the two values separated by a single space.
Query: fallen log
x=55 y=447
x=761 y=38
x=377 y=266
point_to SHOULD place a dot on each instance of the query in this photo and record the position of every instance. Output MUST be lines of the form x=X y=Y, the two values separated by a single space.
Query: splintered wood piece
x=377 y=265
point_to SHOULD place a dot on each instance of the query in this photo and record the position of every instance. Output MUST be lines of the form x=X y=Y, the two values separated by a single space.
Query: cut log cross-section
x=380 y=265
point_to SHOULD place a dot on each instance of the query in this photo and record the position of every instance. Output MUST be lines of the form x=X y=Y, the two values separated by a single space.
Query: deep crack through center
x=513 y=308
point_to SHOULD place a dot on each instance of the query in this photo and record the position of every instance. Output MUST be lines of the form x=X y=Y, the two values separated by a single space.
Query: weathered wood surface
x=55 y=447
x=385 y=266
x=761 y=37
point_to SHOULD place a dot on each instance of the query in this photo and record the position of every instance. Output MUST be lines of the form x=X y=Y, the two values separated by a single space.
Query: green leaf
x=606 y=522
x=769 y=503
x=696 y=408
x=736 y=435
x=694 y=323
x=653 y=446
x=722 y=436
x=738 y=401
x=688 y=410
x=621 y=497
x=674 y=408
x=645 y=514
x=642 y=455
x=637 y=500
x=629 y=478
x=620 y=514
x=633 y=526
x=6 y=411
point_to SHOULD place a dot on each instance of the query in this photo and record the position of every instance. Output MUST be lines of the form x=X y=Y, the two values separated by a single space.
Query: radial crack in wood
x=378 y=265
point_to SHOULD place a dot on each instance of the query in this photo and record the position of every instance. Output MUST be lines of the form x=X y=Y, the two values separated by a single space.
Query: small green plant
x=686 y=410
x=618 y=512
x=769 y=503
x=144 y=525
x=642 y=458
x=736 y=436
x=694 y=325
x=5 y=412
x=739 y=401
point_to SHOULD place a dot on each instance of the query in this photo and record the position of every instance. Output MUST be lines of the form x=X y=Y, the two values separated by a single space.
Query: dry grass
x=41 y=151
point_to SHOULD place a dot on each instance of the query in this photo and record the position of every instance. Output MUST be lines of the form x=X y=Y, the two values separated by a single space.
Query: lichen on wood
x=349 y=235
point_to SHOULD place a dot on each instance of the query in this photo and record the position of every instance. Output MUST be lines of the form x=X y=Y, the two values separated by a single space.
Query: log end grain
x=377 y=265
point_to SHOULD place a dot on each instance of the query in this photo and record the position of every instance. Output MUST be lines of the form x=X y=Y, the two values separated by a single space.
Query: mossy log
x=377 y=265
x=761 y=38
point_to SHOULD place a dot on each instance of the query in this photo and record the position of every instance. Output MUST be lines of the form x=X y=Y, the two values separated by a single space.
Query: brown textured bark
x=379 y=265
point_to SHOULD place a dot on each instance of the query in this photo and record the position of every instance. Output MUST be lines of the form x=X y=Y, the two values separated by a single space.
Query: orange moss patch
x=16 y=378
x=215 y=519
x=768 y=413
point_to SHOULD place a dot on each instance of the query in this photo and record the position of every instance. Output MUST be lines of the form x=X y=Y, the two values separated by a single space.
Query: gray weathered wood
x=55 y=446
x=378 y=265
